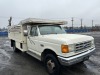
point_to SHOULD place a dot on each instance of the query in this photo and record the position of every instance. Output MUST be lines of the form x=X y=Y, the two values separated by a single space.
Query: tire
x=52 y=65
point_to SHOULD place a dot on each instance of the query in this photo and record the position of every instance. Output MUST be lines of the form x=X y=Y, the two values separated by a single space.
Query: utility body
x=47 y=41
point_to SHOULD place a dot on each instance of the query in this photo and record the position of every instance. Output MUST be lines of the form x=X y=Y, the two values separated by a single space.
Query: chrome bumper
x=67 y=61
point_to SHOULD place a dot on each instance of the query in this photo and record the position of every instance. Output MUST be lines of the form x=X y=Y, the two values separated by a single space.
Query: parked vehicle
x=48 y=42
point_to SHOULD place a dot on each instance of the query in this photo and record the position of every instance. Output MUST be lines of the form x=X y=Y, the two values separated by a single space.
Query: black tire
x=52 y=65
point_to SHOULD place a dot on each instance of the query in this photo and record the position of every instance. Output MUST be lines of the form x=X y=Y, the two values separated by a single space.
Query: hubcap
x=50 y=65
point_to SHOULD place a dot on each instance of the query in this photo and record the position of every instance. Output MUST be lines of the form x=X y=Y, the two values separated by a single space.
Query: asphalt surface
x=12 y=63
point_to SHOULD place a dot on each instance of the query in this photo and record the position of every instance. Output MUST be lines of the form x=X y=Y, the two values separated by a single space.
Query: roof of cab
x=41 y=21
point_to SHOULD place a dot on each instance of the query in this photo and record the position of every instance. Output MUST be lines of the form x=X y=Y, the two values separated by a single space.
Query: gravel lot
x=23 y=64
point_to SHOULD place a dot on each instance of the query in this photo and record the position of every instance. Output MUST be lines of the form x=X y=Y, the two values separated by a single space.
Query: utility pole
x=10 y=19
x=72 y=22
x=81 y=23
x=92 y=23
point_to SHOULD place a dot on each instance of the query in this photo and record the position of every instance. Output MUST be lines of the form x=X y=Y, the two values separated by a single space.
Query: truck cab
x=48 y=42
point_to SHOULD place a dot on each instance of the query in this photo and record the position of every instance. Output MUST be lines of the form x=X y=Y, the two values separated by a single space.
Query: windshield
x=51 y=29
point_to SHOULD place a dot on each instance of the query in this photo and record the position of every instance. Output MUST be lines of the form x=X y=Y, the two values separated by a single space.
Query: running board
x=34 y=55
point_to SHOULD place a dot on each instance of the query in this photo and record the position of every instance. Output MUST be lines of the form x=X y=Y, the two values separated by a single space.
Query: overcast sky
x=50 y=9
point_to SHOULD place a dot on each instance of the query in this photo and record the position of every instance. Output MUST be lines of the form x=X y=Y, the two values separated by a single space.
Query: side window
x=33 y=31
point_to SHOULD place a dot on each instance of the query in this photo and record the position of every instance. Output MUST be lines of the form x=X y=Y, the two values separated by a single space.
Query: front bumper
x=67 y=61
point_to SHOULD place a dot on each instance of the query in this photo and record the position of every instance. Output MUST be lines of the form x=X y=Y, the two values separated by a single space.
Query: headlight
x=71 y=47
x=64 y=48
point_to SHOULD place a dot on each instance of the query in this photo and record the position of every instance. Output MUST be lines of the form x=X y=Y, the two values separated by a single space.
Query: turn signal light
x=64 y=48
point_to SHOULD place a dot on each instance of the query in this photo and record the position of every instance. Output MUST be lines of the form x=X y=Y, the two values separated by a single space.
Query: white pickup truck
x=47 y=41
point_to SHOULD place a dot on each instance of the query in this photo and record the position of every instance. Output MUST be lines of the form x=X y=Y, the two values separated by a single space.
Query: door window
x=33 y=31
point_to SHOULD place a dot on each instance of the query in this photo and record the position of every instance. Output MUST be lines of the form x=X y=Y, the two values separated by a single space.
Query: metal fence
x=77 y=30
x=3 y=33
x=67 y=30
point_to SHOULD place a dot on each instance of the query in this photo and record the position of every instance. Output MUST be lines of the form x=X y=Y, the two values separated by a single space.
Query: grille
x=82 y=46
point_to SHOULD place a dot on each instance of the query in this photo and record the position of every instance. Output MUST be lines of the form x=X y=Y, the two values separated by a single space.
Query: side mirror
x=25 y=33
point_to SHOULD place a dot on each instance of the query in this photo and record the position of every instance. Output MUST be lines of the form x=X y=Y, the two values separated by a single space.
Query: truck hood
x=68 y=38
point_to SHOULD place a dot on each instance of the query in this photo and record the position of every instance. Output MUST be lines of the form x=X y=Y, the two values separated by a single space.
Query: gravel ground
x=12 y=63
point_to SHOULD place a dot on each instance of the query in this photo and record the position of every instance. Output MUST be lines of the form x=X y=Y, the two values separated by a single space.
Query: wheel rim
x=50 y=65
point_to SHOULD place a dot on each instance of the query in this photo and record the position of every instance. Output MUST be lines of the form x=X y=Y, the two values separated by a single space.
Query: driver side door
x=32 y=39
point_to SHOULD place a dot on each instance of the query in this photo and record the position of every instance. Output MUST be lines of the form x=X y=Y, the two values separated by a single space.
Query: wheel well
x=47 y=51
x=12 y=43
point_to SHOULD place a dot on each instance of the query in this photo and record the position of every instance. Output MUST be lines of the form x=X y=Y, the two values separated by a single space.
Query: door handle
x=31 y=41
x=41 y=45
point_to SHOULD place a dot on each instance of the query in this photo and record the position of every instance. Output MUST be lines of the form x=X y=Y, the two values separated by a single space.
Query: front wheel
x=52 y=65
